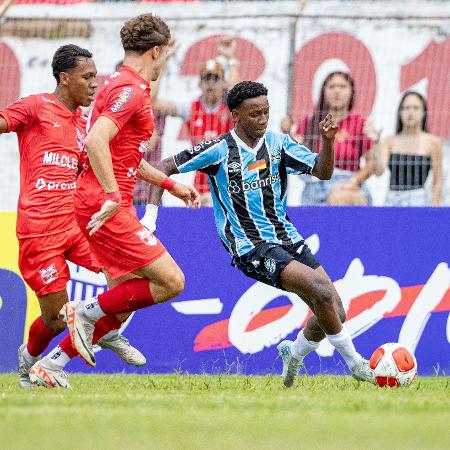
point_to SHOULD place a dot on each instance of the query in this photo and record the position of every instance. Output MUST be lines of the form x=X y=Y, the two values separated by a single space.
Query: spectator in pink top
x=352 y=142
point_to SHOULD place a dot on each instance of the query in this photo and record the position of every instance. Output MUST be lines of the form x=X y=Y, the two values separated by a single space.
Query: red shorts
x=42 y=260
x=122 y=245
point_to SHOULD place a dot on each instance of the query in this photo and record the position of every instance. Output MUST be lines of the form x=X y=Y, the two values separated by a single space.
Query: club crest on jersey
x=270 y=265
x=275 y=155
x=147 y=237
x=143 y=146
x=123 y=98
x=234 y=167
x=49 y=274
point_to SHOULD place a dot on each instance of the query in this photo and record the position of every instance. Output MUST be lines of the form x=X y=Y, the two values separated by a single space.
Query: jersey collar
x=135 y=74
x=241 y=143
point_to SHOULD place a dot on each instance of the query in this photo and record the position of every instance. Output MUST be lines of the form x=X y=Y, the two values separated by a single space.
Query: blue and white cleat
x=291 y=365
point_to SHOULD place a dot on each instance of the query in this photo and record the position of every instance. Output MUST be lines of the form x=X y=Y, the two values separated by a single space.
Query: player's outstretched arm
x=323 y=169
x=159 y=180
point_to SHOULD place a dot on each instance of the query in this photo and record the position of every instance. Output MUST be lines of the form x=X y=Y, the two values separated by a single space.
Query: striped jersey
x=248 y=186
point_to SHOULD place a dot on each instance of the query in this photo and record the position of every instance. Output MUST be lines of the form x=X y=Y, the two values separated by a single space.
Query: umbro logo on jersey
x=56 y=125
x=234 y=167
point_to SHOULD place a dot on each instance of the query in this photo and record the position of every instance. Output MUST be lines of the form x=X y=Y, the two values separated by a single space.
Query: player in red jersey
x=208 y=117
x=50 y=131
x=122 y=124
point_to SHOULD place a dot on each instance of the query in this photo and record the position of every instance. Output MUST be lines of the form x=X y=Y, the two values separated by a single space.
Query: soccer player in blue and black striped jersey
x=247 y=170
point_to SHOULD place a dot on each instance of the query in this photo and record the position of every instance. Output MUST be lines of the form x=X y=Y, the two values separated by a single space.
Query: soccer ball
x=393 y=365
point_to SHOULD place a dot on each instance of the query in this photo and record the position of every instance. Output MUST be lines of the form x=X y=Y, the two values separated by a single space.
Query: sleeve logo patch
x=123 y=98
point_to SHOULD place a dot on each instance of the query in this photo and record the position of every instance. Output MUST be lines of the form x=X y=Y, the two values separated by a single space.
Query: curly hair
x=242 y=91
x=66 y=58
x=143 y=32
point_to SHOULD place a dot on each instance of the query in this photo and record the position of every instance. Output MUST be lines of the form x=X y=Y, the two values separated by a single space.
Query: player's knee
x=175 y=284
x=323 y=293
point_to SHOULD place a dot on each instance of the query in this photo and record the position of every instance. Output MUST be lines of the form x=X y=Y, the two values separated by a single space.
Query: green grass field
x=224 y=412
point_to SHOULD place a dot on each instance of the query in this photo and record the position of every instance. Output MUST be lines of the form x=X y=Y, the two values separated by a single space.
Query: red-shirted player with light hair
x=122 y=124
x=50 y=129
x=207 y=117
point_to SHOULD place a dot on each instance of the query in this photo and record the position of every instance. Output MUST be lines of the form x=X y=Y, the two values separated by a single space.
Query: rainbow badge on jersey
x=256 y=165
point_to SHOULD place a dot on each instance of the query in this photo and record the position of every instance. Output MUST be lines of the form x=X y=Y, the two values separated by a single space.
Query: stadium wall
x=388 y=46
x=390 y=266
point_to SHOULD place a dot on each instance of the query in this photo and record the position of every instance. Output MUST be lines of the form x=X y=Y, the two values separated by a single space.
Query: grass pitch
x=224 y=412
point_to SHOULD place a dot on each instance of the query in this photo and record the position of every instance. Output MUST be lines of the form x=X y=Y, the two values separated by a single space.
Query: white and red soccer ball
x=393 y=365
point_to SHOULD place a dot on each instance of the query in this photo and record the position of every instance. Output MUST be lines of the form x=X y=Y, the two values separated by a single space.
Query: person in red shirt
x=121 y=121
x=50 y=130
x=352 y=142
x=208 y=117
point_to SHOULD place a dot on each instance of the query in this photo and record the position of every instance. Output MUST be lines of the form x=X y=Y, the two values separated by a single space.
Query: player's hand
x=188 y=194
x=108 y=209
x=149 y=217
x=328 y=127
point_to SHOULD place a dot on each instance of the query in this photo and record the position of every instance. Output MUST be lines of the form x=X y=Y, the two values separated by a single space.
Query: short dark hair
x=424 y=124
x=244 y=90
x=66 y=58
x=143 y=32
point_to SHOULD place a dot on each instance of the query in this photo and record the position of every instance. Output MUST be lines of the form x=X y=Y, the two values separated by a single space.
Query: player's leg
x=106 y=333
x=42 y=266
x=316 y=288
x=159 y=281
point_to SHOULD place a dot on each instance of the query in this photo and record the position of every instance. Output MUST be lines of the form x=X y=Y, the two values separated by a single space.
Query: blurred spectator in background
x=208 y=117
x=410 y=154
x=352 y=142
x=286 y=125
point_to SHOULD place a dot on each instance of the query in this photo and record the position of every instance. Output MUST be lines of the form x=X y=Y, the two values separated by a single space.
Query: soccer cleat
x=24 y=368
x=44 y=373
x=363 y=372
x=81 y=330
x=291 y=365
x=120 y=345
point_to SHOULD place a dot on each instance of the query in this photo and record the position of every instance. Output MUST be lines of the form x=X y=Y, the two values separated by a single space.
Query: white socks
x=30 y=359
x=58 y=357
x=92 y=309
x=343 y=343
x=301 y=346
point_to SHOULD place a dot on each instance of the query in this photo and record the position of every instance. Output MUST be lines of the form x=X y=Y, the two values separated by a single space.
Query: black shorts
x=265 y=262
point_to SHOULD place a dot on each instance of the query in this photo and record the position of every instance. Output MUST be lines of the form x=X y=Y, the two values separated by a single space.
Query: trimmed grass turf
x=224 y=412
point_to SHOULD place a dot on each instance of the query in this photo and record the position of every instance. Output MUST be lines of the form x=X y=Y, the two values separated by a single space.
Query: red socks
x=126 y=297
x=39 y=337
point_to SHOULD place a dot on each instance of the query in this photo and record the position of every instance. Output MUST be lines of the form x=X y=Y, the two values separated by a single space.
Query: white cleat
x=24 y=368
x=46 y=374
x=363 y=372
x=291 y=365
x=120 y=345
x=81 y=329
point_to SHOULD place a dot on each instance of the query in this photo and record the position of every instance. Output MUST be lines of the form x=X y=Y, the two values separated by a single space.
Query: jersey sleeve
x=201 y=156
x=122 y=103
x=298 y=158
x=20 y=114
